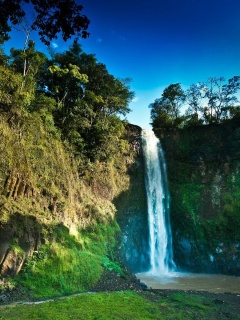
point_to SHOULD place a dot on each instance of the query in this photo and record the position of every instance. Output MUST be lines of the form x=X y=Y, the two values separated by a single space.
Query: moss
x=57 y=270
x=203 y=170
x=70 y=263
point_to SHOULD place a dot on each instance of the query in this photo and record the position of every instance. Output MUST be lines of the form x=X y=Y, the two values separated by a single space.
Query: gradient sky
x=157 y=43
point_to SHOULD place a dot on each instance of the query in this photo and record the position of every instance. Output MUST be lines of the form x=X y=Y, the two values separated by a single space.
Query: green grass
x=61 y=271
x=126 y=305
x=70 y=264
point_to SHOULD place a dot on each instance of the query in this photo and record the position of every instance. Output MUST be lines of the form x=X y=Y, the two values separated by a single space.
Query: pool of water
x=216 y=283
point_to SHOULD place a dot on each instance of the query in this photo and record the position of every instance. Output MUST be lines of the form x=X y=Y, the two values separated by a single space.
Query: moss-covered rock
x=204 y=179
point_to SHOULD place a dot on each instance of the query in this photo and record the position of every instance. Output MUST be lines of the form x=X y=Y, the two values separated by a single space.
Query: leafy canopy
x=73 y=93
x=165 y=112
x=52 y=17
x=213 y=101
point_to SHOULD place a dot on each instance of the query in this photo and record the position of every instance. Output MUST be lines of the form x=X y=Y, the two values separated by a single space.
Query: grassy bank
x=125 y=305
x=70 y=264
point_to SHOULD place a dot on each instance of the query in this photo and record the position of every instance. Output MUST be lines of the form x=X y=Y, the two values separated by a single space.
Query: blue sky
x=157 y=43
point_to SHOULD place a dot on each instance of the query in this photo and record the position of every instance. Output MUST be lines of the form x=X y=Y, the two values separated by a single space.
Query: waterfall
x=160 y=242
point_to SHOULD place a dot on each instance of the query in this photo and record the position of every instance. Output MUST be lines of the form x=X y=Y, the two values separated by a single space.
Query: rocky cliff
x=43 y=201
x=54 y=223
x=131 y=208
x=204 y=179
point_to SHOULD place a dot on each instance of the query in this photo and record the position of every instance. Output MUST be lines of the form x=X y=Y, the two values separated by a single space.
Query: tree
x=64 y=79
x=115 y=93
x=230 y=99
x=52 y=18
x=3 y=57
x=174 y=96
x=10 y=83
x=89 y=100
x=28 y=62
x=111 y=95
x=219 y=97
x=165 y=112
x=194 y=99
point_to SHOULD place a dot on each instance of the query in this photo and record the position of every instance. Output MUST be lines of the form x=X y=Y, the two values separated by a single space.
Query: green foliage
x=64 y=157
x=203 y=172
x=10 y=83
x=28 y=61
x=63 y=81
x=58 y=270
x=191 y=199
x=231 y=206
x=6 y=284
x=70 y=264
x=74 y=95
x=101 y=239
x=89 y=101
x=112 y=266
x=50 y=19
x=125 y=305
x=165 y=112
x=185 y=215
x=44 y=107
x=213 y=101
x=16 y=247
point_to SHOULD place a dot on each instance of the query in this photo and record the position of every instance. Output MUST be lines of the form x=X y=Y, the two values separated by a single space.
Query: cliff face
x=204 y=178
x=44 y=203
x=131 y=208
x=40 y=192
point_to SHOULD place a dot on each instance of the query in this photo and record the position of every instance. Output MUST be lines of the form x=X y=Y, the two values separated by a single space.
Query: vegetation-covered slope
x=43 y=200
x=64 y=157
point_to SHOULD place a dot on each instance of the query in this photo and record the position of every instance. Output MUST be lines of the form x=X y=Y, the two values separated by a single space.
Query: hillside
x=65 y=156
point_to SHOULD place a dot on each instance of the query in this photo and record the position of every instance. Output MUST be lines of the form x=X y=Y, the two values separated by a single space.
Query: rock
x=3 y=298
x=111 y=281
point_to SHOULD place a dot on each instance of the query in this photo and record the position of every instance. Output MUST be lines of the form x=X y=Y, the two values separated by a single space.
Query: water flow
x=160 y=243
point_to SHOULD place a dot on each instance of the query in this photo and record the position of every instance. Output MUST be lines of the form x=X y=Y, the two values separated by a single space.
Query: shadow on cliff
x=132 y=209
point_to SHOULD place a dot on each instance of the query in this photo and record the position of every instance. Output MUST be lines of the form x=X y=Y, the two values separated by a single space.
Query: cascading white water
x=160 y=243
